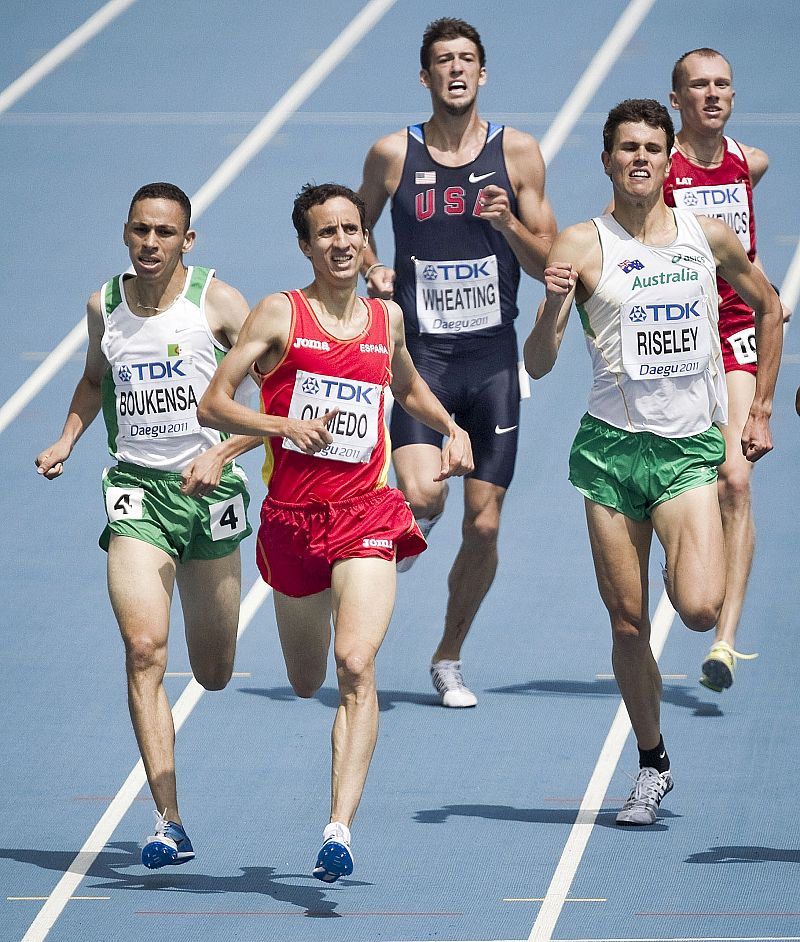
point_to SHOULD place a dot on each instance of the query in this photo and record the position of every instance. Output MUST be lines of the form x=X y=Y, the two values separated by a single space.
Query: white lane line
x=58 y=54
x=593 y=77
x=222 y=177
x=572 y=854
x=42 y=375
x=233 y=165
x=105 y=827
x=557 y=133
x=790 y=289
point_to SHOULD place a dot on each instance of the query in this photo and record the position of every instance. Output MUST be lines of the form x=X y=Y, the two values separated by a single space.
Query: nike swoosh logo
x=476 y=178
x=662 y=755
x=502 y=431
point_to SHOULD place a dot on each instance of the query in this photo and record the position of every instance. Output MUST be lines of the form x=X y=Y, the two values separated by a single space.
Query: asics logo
x=477 y=177
x=502 y=431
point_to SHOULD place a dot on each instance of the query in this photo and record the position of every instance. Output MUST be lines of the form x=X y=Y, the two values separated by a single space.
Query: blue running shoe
x=335 y=858
x=169 y=845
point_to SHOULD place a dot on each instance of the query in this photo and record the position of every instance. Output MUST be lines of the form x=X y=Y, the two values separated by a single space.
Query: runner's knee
x=144 y=652
x=213 y=676
x=734 y=485
x=426 y=498
x=305 y=683
x=702 y=615
x=355 y=670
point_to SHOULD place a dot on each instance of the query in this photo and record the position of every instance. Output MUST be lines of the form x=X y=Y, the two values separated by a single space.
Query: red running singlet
x=320 y=372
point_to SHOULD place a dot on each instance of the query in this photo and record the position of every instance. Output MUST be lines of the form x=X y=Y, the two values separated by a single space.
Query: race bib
x=354 y=427
x=670 y=339
x=458 y=296
x=727 y=202
x=227 y=518
x=124 y=503
x=156 y=398
x=743 y=345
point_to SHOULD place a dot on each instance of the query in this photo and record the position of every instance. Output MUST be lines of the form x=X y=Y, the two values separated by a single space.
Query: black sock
x=655 y=758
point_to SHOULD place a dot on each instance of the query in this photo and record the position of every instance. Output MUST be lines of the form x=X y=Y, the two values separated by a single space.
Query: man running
x=647 y=451
x=331 y=528
x=176 y=503
x=714 y=175
x=468 y=211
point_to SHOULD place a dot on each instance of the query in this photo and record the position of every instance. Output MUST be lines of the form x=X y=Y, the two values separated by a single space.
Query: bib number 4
x=227 y=518
x=124 y=503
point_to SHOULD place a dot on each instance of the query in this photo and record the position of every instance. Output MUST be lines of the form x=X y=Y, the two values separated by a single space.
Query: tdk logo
x=158 y=369
x=337 y=389
x=309 y=343
x=659 y=313
x=630 y=264
x=456 y=271
x=716 y=196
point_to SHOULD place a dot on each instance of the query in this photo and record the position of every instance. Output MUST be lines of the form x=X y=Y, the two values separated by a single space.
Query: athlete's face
x=455 y=74
x=156 y=236
x=638 y=162
x=336 y=240
x=705 y=94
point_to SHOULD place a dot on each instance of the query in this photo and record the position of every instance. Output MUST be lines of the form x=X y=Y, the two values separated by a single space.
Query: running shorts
x=148 y=505
x=299 y=543
x=481 y=390
x=633 y=472
x=737 y=334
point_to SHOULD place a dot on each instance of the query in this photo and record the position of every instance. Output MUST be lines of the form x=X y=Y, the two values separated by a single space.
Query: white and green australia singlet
x=160 y=366
x=651 y=329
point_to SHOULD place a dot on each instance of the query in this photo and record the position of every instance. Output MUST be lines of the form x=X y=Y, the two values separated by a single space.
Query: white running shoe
x=648 y=790
x=447 y=679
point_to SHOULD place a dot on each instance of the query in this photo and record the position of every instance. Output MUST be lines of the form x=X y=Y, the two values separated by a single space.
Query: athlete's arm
x=415 y=396
x=752 y=286
x=570 y=270
x=262 y=340
x=757 y=162
x=383 y=168
x=226 y=311
x=530 y=234
x=86 y=400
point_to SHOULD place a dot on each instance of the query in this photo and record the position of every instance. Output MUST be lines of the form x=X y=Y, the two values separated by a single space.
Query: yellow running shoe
x=719 y=666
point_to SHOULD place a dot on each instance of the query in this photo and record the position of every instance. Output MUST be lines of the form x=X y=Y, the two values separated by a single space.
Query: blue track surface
x=466 y=813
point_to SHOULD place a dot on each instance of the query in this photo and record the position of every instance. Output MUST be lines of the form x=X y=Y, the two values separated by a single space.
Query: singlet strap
x=493 y=131
x=199 y=279
x=112 y=295
x=734 y=148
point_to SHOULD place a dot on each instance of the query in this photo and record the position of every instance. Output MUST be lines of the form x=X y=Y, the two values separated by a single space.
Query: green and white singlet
x=160 y=366
x=651 y=327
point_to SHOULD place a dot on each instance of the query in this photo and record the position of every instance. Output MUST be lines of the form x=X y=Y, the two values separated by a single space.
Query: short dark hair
x=638 y=111
x=448 y=27
x=164 y=191
x=315 y=194
x=679 y=68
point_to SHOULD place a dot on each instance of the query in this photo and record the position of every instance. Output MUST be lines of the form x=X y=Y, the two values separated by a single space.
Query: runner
x=468 y=210
x=331 y=528
x=714 y=175
x=176 y=503
x=647 y=451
